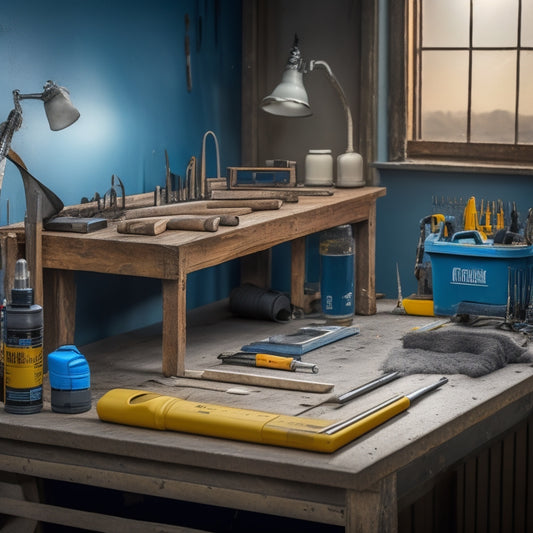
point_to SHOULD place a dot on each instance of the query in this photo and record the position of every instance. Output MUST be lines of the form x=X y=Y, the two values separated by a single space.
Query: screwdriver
x=266 y=360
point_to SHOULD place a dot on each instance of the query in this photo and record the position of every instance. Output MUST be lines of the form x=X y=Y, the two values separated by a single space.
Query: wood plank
x=507 y=483
x=245 y=378
x=460 y=499
x=495 y=508
x=188 y=208
x=303 y=503
x=520 y=474
x=529 y=500
x=482 y=491
x=265 y=204
x=74 y=518
x=286 y=196
x=470 y=495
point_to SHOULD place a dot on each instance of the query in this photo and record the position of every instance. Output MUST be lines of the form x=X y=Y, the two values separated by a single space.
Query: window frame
x=402 y=85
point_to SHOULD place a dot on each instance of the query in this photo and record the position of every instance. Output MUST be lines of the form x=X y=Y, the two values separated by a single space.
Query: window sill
x=459 y=167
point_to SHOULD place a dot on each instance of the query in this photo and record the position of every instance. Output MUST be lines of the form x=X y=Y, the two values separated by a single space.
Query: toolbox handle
x=471 y=236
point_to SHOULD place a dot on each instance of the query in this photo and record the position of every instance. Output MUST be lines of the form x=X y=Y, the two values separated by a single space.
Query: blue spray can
x=337 y=273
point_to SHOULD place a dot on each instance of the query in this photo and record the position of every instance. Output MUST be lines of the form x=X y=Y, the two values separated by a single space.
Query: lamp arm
x=32 y=96
x=13 y=123
x=322 y=64
x=8 y=128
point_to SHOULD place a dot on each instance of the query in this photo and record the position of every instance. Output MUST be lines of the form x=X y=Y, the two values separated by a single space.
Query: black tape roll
x=249 y=301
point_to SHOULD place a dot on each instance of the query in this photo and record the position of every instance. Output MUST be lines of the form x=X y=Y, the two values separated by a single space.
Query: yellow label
x=23 y=366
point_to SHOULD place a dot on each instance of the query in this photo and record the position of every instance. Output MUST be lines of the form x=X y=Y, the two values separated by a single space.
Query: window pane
x=444 y=97
x=495 y=23
x=445 y=22
x=525 y=117
x=493 y=96
x=527 y=23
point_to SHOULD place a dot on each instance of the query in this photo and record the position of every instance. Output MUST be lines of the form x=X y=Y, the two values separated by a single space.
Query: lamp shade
x=58 y=108
x=289 y=98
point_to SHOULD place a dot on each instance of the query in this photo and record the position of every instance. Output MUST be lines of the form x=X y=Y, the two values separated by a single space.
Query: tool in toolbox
x=421 y=303
x=266 y=360
x=470 y=218
x=150 y=410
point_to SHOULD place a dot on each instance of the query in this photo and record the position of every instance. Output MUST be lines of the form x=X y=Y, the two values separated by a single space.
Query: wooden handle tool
x=155 y=226
x=194 y=222
x=189 y=208
x=255 y=204
x=142 y=226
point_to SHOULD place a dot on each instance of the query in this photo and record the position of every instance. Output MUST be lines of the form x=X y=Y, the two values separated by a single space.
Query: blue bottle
x=337 y=273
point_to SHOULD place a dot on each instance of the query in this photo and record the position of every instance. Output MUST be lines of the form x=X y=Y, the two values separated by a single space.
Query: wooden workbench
x=173 y=255
x=359 y=487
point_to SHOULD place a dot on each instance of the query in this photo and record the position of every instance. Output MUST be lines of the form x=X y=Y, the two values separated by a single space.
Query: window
x=469 y=85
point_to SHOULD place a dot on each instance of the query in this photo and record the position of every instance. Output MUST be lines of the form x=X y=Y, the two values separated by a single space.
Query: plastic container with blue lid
x=70 y=380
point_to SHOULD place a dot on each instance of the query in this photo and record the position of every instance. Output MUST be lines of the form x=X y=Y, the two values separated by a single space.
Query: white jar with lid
x=319 y=168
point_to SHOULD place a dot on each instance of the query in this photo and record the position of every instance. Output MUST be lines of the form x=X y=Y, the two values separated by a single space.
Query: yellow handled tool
x=150 y=410
x=266 y=360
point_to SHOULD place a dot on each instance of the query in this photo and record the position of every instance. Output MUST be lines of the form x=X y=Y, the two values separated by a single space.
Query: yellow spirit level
x=151 y=410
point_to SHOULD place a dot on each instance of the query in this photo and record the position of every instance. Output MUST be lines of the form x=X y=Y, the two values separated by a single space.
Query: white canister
x=350 y=170
x=319 y=168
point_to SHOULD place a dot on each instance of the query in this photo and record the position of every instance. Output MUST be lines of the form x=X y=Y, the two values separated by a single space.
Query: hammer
x=155 y=226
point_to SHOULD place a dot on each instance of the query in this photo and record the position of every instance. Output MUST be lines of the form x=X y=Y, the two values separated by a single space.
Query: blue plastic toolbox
x=475 y=277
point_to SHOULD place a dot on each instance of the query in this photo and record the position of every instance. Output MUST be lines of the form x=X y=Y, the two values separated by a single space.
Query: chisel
x=266 y=360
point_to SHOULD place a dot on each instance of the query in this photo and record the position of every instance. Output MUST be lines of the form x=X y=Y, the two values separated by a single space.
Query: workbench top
x=134 y=361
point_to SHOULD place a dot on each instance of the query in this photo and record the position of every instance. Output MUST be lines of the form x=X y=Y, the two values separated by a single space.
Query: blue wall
x=124 y=65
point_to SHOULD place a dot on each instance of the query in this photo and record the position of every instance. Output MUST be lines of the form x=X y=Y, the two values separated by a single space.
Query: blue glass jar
x=337 y=275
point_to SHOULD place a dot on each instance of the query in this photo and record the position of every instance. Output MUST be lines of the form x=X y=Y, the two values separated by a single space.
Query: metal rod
x=342 y=424
x=337 y=426
x=367 y=387
x=420 y=392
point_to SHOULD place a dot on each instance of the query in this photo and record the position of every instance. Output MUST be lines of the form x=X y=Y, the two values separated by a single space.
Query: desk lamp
x=61 y=114
x=289 y=99
x=41 y=202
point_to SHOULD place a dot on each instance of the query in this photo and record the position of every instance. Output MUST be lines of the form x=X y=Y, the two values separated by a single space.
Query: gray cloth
x=455 y=351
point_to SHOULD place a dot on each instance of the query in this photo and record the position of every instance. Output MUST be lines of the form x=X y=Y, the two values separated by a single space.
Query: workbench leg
x=365 y=264
x=374 y=510
x=298 y=273
x=174 y=325
x=59 y=308
x=10 y=254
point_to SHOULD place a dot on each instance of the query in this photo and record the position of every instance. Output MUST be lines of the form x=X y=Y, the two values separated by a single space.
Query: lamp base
x=350 y=170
